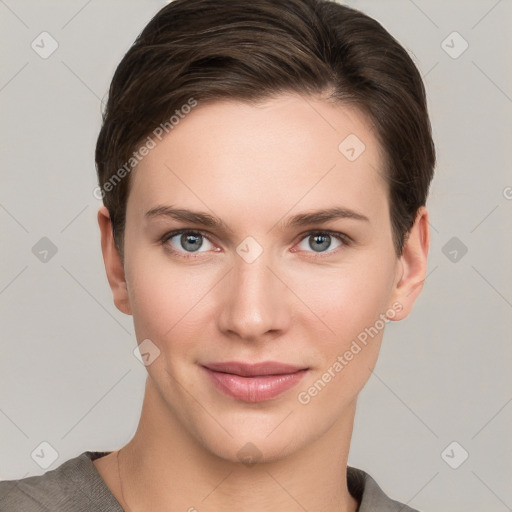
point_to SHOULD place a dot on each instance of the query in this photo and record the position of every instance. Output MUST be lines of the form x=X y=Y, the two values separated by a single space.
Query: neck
x=164 y=468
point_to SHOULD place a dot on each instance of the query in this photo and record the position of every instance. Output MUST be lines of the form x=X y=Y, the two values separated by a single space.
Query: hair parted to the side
x=209 y=50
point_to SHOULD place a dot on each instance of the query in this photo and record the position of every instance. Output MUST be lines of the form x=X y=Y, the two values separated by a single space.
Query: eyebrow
x=194 y=217
x=319 y=216
x=301 y=219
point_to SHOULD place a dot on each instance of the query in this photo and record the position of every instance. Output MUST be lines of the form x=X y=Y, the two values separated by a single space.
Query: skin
x=253 y=167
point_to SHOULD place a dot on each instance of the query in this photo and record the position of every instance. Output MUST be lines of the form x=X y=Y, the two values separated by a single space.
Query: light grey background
x=68 y=374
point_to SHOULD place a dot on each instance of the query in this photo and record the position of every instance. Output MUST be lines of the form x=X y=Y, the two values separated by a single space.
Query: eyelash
x=342 y=237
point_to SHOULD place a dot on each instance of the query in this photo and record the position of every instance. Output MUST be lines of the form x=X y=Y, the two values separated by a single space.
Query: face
x=253 y=279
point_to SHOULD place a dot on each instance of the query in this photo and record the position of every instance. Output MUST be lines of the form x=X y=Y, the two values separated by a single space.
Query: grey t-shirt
x=76 y=486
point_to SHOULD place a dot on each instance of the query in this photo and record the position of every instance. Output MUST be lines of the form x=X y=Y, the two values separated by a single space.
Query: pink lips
x=254 y=382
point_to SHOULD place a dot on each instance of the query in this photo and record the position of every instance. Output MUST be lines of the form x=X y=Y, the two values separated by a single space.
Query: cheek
x=156 y=295
x=352 y=303
x=347 y=298
x=167 y=299
x=354 y=308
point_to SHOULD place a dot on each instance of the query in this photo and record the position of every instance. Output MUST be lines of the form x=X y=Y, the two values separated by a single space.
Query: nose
x=255 y=302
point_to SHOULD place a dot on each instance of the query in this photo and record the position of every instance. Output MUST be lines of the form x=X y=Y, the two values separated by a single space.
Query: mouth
x=254 y=382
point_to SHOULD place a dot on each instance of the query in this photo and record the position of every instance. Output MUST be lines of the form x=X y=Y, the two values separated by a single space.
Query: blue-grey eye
x=319 y=242
x=189 y=242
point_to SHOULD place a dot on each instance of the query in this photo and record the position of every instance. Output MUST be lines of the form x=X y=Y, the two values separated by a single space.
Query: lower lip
x=254 y=389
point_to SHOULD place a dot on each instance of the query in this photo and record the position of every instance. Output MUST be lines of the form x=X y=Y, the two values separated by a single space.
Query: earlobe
x=113 y=264
x=412 y=265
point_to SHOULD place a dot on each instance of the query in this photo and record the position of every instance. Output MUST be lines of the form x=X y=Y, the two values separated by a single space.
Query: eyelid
x=319 y=231
x=171 y=234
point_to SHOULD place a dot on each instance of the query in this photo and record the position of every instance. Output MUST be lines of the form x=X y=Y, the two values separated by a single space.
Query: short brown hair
x=209 y=50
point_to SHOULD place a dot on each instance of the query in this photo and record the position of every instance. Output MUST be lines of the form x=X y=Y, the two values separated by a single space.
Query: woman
x=264 y=169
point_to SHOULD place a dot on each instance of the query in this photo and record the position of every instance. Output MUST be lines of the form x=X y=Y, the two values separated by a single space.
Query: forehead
x=283 y=151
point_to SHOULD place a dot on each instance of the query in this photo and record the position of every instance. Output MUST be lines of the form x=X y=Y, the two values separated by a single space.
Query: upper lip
x=255 y=369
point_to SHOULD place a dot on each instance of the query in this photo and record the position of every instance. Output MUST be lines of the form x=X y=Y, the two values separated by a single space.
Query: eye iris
x=191 y=242
x=321 y=242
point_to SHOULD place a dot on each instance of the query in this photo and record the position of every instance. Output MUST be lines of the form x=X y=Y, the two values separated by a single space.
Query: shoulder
x=370 y=496
x=73 y=486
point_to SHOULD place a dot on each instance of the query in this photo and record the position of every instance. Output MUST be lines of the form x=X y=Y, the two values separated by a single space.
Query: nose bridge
x=254 y=303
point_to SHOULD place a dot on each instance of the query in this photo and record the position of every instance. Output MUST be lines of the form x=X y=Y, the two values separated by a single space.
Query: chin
x=255 y=449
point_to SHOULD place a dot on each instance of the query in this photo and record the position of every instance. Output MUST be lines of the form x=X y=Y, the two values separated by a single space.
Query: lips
x=254 y=382
x=254 y=370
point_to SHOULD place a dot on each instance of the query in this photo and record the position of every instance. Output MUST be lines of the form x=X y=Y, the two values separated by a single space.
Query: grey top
x=76 y=486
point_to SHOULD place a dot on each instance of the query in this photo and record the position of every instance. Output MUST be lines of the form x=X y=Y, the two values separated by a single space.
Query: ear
x=113 y=264
x=412 y=266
